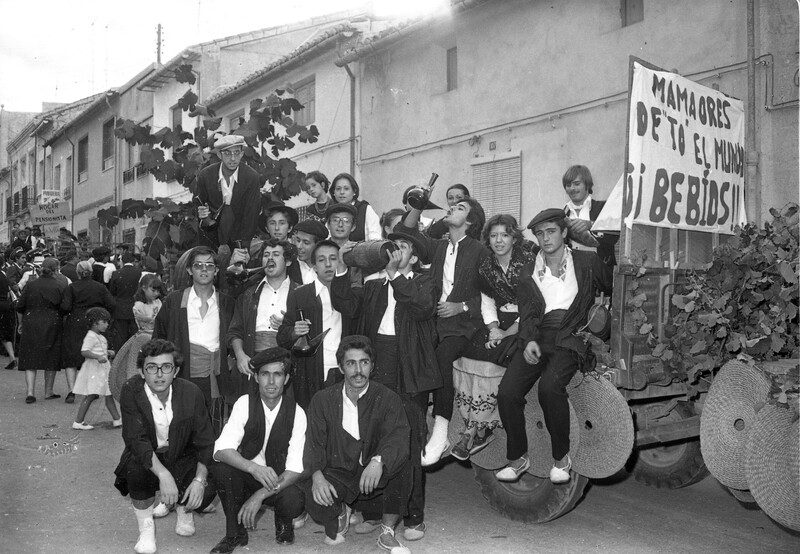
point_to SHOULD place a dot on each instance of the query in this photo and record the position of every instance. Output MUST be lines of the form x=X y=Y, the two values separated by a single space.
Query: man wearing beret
x=230 y=195
x=555 y=294
x=260 y=453
x=305 y=237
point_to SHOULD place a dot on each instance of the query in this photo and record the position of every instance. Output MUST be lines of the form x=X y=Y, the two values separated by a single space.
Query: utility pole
x=158 y=44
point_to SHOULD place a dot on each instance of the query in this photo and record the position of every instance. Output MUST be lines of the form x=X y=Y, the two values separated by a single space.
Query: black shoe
x=228 y=544
x=30 y=399
x=12 y=364
x=284 y=533
x=70 y=398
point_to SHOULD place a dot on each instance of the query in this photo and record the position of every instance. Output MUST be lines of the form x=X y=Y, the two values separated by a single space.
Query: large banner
x=51 y=216
x=686 y=157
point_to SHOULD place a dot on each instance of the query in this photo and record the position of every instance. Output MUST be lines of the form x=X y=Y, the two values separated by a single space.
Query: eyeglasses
x=232 y=153
x=203 y=265
x=165 y=368
x=342 y=220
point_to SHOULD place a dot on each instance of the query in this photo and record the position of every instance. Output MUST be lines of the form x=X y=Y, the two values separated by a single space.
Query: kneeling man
x=260 y=453
x=357 y=448
x=168 y=442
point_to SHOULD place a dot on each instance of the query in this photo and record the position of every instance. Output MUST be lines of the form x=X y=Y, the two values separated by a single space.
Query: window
x=40 y=176
x=233 y=120
x=9 y=206
x=108 y=144
x=56 y=184
x=497 y=184
x=304 y=92
x=176 y=117
x=23 y=171
x=97 y=233
x=452 y=68
x=631 y=11
x=129 y=236
x=24 y=200
x=16 y=202
x=15 y=173
x=69 y=178
x=83 y=159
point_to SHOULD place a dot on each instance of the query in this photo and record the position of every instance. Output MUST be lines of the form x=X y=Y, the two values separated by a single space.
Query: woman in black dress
x=8 y=319
x=40 y=342
x=81 y=295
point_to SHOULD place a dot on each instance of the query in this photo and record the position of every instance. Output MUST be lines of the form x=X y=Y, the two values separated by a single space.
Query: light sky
x=57 y=51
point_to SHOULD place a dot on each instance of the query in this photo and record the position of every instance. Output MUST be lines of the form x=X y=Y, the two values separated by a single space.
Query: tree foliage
x=177 y=155
x=744 y=306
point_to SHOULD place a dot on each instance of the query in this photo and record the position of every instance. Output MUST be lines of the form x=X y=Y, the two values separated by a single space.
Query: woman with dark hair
x=389 y=220
x=497 y=279
x=317 y=186
x=40 y=343
x=78 y=297
x=367 y=226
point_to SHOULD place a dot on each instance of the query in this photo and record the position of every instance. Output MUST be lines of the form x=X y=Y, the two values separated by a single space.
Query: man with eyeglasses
x=230 y=196
x=168 y=443
x=340 y=219
x=196 y=319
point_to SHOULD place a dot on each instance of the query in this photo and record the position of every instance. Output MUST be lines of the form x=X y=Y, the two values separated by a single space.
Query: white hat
x=229 y=141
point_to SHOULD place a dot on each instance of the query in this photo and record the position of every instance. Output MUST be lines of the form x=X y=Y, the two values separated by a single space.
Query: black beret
x=340 y=208
x=270 y=355
x=313 y=228
x=550 y=214
x=271 y=206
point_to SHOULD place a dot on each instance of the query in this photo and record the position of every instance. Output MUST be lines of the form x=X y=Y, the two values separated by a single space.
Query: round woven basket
x=737 y=392
x=772 y=464
x=605 y=426
x=123 y=366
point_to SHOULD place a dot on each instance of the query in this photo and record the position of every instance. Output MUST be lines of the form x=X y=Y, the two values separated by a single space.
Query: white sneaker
x=560 y=475
x=434 y=451
x=415 y=533
x=160 y=510
x=185 y=524
x=116 y=423
x=147 y=538
x=300 y=521
x=82 y=426
x=387 y=541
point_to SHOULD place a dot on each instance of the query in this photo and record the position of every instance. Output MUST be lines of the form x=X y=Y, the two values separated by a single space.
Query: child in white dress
x=92 y=380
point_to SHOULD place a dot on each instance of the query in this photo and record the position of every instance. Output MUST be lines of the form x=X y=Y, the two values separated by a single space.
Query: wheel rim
x=665 y=456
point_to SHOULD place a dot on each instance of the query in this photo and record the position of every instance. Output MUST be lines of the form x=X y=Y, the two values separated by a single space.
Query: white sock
x=184 y=525
x=147 y=531
x=439 y=433
x=144 y=518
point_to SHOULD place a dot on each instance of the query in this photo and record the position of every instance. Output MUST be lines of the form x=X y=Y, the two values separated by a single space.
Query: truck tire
x=671 y=466
x=531 y=499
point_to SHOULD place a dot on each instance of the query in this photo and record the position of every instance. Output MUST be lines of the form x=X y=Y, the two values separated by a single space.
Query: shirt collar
x=234 y=176
x=362 y=393
x=587 y=203
x=409 y=276
x=264 y=282
x=541 y=269
x=154 y=398
x=318 y=286
x=194 y=298
x=272 y=413
x=456 y=245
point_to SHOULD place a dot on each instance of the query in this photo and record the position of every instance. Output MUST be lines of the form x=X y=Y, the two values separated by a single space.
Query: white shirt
x=449 y=273
x=233 y=433
x=387 y=321
x=227 y=189
x=108 y=272
x=271 y=302
x=558 y=290
x=372 y=225
x=203 y=331
x=350 y=414
x=331 y=319
x=307 y=272
x=162 y=415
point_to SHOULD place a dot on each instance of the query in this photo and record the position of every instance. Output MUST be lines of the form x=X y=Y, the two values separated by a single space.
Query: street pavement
x=56 y=485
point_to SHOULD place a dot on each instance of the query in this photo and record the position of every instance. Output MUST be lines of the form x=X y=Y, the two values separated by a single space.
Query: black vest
x=359 y=233
x=97 y=272
x=256 y=427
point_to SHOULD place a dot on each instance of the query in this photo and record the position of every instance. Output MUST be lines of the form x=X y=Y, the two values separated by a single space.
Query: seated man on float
x=305 y=237
x=356 y=448
x=168 y=442
x=260 y=453
x=555 y=294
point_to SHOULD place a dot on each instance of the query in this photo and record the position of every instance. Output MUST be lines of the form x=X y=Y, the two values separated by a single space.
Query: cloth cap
x=271 y=206
x=313 y=228
x=270 y=355
x=229 y=141
x=340 y=208
x=419 y=246
x=550 y=214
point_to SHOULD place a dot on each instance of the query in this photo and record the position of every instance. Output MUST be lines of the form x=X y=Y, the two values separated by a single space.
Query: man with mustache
x=260 y=453
x=356 y=448
x=260 y=309
x=326 y=303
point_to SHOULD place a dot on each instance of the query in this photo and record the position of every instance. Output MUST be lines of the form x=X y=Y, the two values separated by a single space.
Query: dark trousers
x=123 y=330
x=387 y=372
x=449 y=350
x=143 y=483
x=214 y=406
x=391 y=495
x=235 y=487
x=556 y=367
